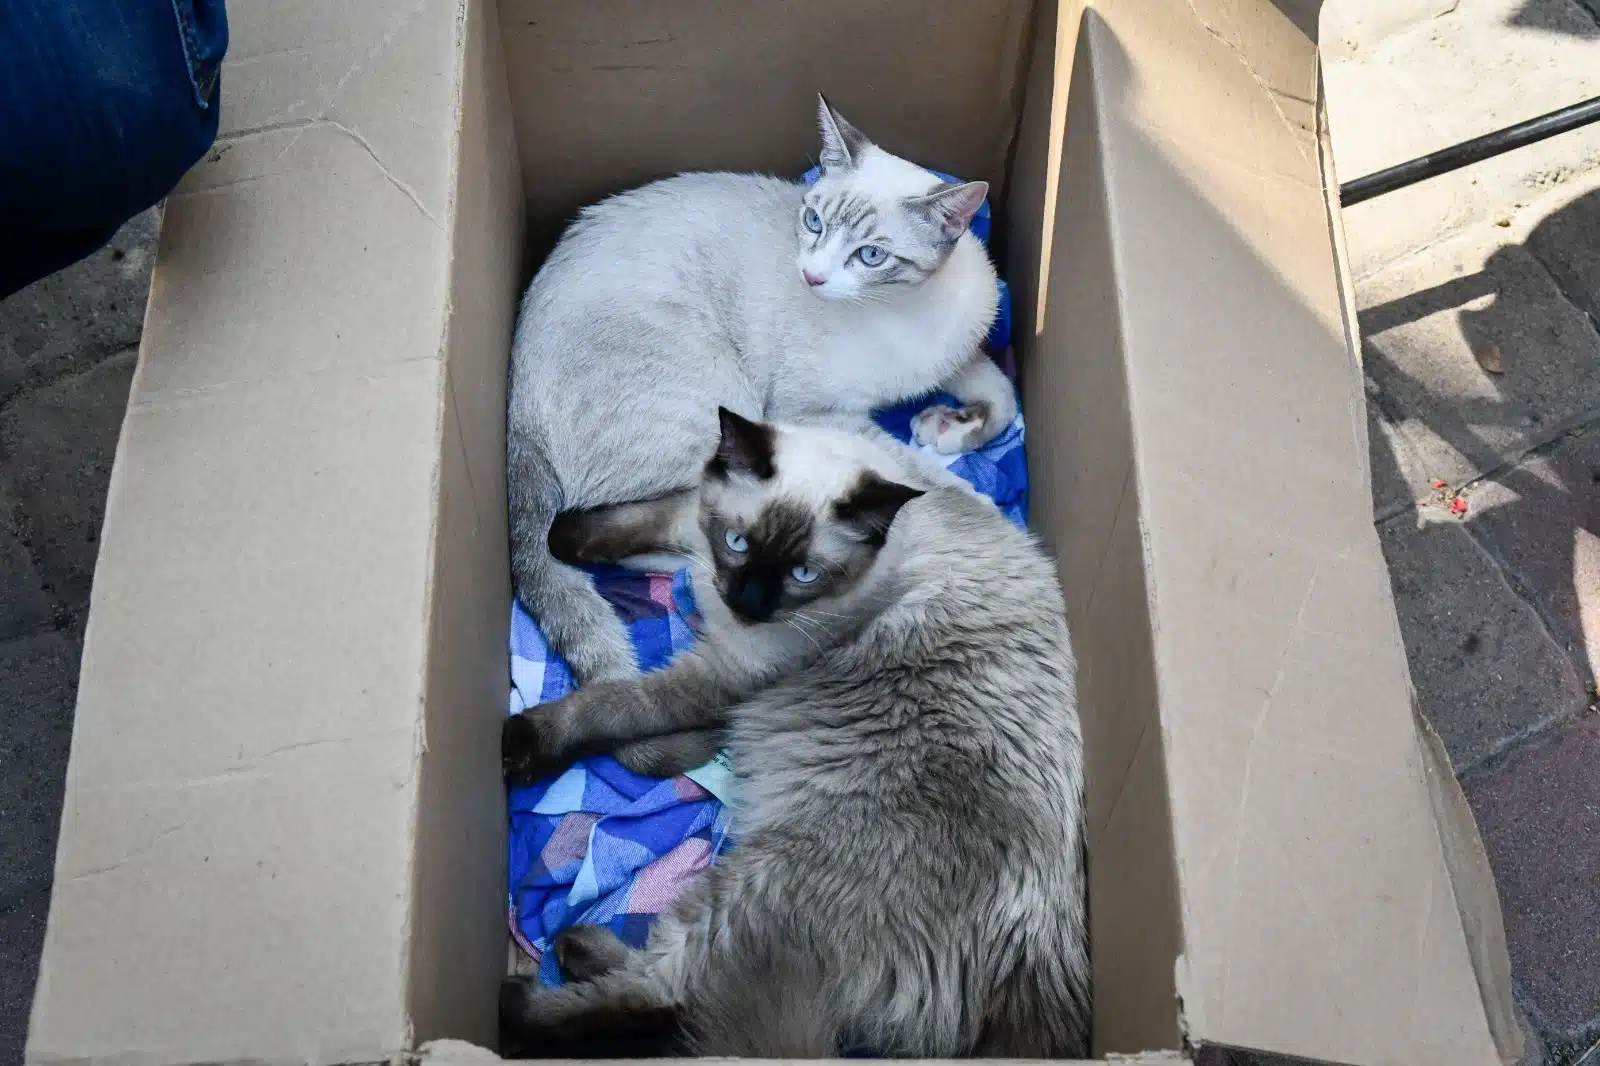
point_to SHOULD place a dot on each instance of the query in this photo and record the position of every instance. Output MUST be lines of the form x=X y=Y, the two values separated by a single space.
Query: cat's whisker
x=812 y=625
x=817 y=612
x=790 y=622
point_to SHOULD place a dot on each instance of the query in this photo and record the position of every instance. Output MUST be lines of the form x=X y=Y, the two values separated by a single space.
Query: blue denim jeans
x=104 y=104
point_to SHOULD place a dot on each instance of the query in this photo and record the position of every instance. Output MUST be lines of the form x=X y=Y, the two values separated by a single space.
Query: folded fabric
x=600 y=844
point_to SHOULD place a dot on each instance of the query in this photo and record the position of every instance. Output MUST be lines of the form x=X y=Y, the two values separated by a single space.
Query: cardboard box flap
x=244 y=764
x=1318 y=915
x=702 y=85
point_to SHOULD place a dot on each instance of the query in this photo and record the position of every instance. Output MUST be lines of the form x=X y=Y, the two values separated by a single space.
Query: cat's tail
x=577 y=622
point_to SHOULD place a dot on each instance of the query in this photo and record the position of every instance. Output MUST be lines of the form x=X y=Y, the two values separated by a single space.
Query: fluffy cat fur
x=909 y=870
x=660 y=304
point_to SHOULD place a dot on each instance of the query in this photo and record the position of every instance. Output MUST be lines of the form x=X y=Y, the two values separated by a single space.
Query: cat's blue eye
x=813 y=221
x=871 y=255
x=736 y=542
x=804 y=574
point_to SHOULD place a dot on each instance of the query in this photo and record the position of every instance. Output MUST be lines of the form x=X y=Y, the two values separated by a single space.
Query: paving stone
x=1430 y=323
x=1353 y=29
x=1412 y=76
x=38 y=684
x=1565 y=243
x=1542 y=521
x=21 y=939
x=78 y=316
x=1490 y=63
x=56 y=448
x=1485 y=669
x=1539 y=814
x=1373 y=124
x=24 y=607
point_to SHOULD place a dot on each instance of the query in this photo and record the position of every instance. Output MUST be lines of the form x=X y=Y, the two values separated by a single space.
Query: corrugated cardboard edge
x=1477 y=898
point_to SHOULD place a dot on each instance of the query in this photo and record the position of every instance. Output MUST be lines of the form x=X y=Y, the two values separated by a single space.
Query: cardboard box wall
x=284 y=829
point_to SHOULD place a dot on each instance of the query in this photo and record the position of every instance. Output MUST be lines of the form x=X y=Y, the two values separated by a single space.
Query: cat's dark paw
x=517 y=1017
x=587 y=951
x=526 y=753
x=569 y=537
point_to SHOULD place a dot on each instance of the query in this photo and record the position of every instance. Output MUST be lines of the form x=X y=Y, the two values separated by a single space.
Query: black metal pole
x=1468 y=152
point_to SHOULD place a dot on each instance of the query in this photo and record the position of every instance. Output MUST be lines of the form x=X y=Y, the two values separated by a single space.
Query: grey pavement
x=67 y=349
x=1478 y=297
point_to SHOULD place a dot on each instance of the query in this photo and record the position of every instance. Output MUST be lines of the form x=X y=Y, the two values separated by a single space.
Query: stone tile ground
x=67 y=348
x=1479 y=295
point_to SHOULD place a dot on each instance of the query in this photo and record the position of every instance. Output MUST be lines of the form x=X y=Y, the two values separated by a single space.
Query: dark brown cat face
x=793 y=517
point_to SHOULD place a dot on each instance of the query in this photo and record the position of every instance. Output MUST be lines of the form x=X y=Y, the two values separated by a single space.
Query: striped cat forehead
x=878 y=181
x=847 y=211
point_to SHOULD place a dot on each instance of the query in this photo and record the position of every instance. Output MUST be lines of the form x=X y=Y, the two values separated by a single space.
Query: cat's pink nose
x=813 y=279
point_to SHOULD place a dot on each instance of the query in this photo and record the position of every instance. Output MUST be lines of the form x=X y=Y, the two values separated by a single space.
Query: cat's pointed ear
x=745 y=447
x=950 y=207
x=842 y=143
x=871 y=504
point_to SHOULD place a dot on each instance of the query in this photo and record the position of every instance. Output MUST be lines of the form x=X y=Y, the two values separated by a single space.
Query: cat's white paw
x=951 y=430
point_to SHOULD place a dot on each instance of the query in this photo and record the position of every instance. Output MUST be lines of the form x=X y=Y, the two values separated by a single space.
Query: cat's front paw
x=528 y=750
x=950 y=430
x=588 y=951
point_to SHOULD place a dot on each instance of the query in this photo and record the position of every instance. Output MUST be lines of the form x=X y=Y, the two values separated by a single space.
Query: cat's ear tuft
x=842 y=143
x=745 y=447
x=871 y=504
x=950 y=207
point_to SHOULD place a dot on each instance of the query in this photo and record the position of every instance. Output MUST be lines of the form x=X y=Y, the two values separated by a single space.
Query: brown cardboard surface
x=284 y=829
x=458 y=923
x=1305 y=843
x=615 y=94
x=233 y=878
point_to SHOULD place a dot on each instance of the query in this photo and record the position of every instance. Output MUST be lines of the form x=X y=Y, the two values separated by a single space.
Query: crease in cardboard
x=161 y=399
x=447 y=411
x=137 y=853
x=1013 y=87
x=299 y=126
x=330 y=96
x=1272 y=94
x=245 y=767
x=1237 y=831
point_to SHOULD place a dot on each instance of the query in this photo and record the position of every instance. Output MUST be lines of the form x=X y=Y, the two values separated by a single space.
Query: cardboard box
x=284 y=828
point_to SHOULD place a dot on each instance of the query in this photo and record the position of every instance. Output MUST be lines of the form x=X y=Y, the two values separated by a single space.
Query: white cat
x=772 y=299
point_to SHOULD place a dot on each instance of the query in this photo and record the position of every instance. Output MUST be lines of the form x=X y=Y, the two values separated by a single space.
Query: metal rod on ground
x=1468 y=152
